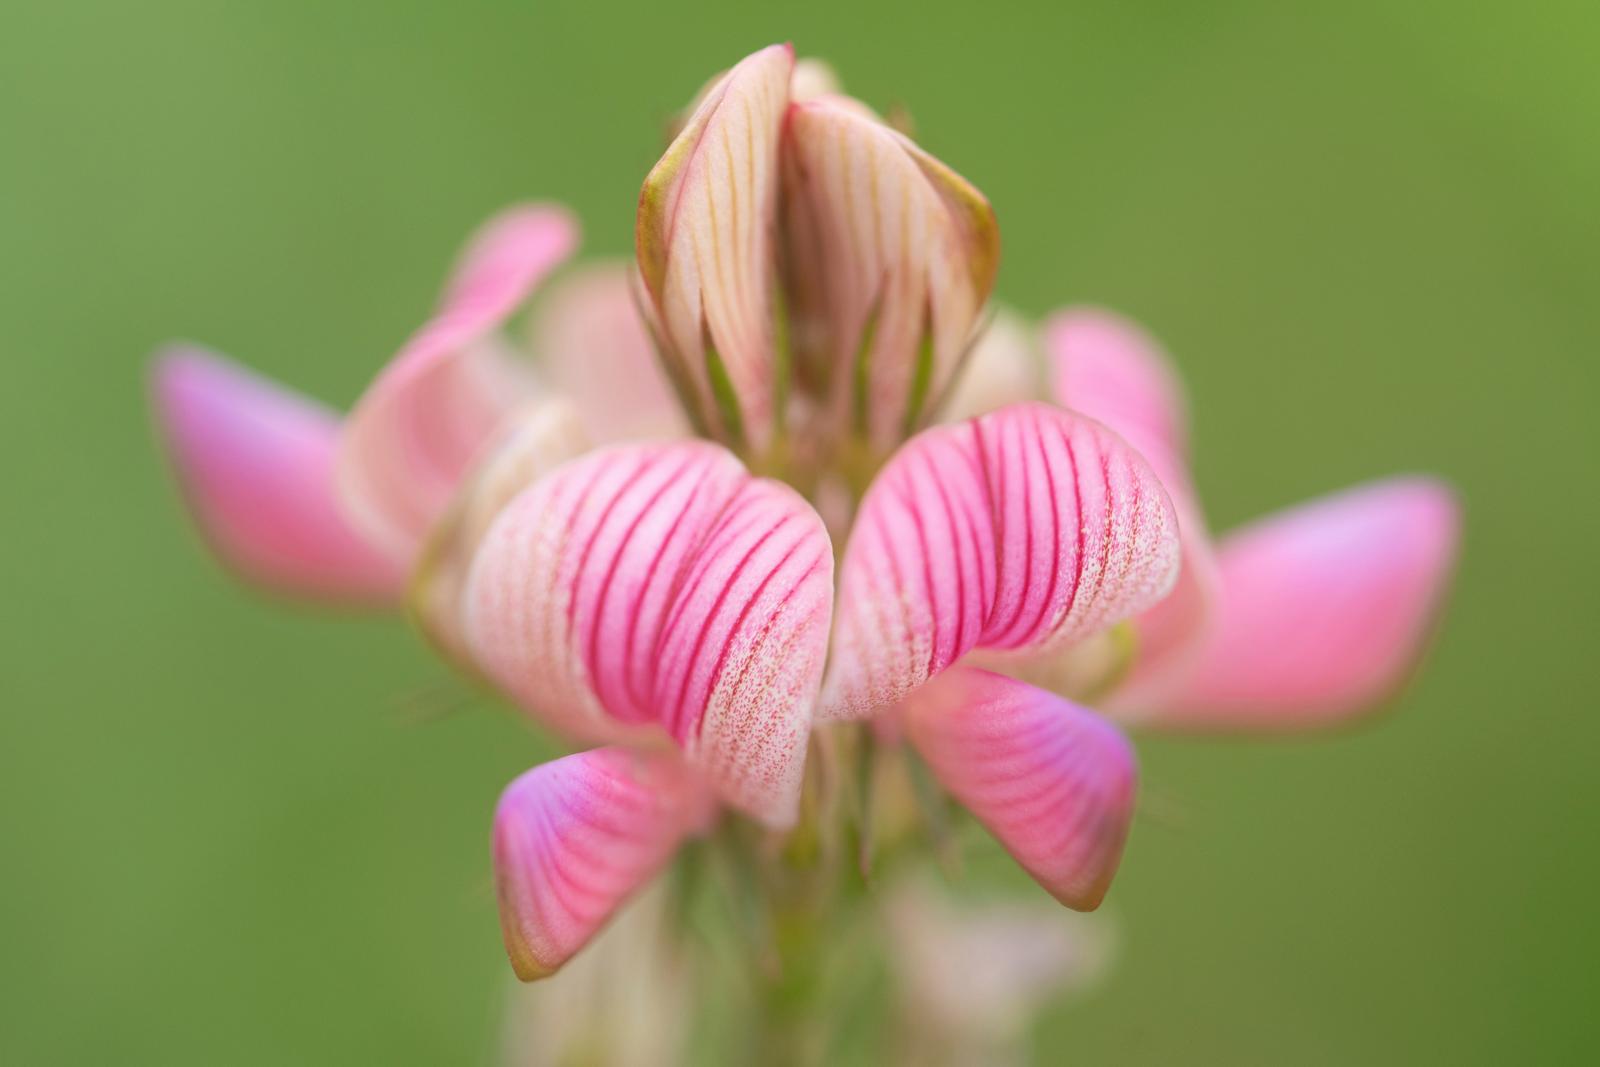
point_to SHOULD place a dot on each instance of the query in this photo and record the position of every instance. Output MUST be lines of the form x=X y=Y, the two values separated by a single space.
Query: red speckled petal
x=661 y=588
x=1016 y=533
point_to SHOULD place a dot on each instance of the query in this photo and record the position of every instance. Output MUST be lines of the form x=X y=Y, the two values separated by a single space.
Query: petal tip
x=1054 y=783
x=575 y=838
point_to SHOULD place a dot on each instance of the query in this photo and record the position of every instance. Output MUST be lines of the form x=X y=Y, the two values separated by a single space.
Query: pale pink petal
x=575 y=838
x=629 y=999
x=663 y=588
x=255 y=462
x=591 y=346
x=1107 y=367
x=972 y=974
x=1053 y=782
x=419 y=426
x=704 y=238
x=1018 y=532
x=539 y=439
x=889 y=258
x=1004 y=367
x=1324 y=609
x=812 y=78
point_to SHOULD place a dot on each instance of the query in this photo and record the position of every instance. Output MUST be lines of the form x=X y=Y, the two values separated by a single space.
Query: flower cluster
x=785 y=472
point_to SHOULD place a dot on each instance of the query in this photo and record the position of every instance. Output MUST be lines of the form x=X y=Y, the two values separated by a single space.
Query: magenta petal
x=1324 y=609
x=1108 y=368
x=421 y=423
x=574 y=839
x=1053 y=782
x=1018 y=532
x=661 y=588
x=256 y=465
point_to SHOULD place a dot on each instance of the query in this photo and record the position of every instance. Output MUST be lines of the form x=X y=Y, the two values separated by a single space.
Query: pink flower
x=813 y=283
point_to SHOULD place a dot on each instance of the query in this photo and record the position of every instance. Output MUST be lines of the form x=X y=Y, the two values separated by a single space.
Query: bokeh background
x=239 y=833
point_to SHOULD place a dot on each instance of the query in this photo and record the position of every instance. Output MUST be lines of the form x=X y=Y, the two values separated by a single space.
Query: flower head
x=1002 y=589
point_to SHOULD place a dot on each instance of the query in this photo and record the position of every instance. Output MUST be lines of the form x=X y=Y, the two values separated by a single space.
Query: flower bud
x=704 y=239
x=889 y=257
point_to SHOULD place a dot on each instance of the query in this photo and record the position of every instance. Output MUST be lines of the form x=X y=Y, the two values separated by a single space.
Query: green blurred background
x=232 y=836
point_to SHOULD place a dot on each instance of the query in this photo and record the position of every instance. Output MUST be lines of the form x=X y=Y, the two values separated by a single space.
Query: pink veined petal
x=592 y=347
x=1053 y=782
x=1018 y=532
x=1324 y=609
x=662 y=588
x=417 y=428
x=704 y=237
x=255 y=462
x=575 y=838
x=1107 y=367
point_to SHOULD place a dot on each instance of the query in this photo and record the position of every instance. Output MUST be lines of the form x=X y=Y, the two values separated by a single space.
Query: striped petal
x=574 y=839
x=663 y=589
x=255 y=463
x=1053 y=782
x=449 y=392
x=592 y=347
x=704 y=242
x=890 y=258
x=1324 y=610
x=1017 y=533
x=540 y=439
x=1108 y=368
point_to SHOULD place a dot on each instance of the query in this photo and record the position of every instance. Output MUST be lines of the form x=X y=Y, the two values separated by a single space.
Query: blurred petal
x=1086 y=671
x=592 y=347
x=575 y=838
x=663 y=588
x=890 y=258
x=973 y=975
x=1018 y=532
x=1324 y=609
x=1003 y=368
x=543 y=437
x=256 y=465
x=704 y=241
x=812 y=78
x=626 y=1000
x=1053 y=782
x=1108 y=368
x=448 y=393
